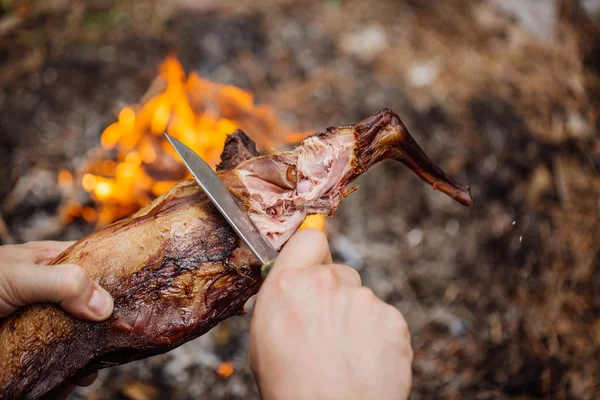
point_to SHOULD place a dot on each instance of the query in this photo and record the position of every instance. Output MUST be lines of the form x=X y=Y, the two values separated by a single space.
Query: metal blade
x=218 y=193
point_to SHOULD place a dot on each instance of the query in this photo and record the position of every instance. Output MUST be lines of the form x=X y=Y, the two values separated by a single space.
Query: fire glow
x=138 y=164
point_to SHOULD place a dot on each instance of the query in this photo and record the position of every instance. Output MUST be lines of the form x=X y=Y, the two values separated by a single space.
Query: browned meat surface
x=176 y=268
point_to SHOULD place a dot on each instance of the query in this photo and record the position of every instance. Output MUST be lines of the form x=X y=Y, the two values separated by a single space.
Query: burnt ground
x=502 y=298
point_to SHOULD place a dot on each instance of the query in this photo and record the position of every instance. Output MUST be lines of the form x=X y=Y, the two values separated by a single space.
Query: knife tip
x=171 y=140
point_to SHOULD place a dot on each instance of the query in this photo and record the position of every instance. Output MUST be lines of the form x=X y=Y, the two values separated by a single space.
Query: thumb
x=66 y=284
x=305 y=248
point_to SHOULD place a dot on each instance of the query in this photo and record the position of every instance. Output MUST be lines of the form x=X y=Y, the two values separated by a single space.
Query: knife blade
x=227 y=205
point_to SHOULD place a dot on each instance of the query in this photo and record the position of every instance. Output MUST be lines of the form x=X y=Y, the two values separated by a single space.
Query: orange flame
x=314 y=222
x=194 y=110
x=65 y=178
x=225 y=369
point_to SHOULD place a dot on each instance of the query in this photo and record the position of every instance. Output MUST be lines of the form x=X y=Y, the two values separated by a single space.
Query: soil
x=502 y=298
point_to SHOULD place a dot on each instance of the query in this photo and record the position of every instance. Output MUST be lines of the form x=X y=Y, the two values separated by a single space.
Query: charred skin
x=176 y=269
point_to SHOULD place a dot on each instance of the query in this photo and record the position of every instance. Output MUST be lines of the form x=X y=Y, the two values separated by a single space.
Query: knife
x=227 y=205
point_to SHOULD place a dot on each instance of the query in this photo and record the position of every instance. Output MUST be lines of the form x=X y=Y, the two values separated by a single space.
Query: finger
x=328 y=259
x=44 y=251
x=66 y=284
x=346 y=275
x=49 y=244
x=306 y=248
x=87 y=380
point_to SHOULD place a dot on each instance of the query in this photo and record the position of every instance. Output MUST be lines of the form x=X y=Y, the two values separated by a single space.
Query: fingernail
x=99 y=303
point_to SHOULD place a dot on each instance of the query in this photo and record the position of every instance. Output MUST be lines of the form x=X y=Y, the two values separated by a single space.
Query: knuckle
x=355 y=274
x=284 y=277
x=346 y=271
x=398 y=332
x=366 y=295
x=325 y=278
x=74 y=280
x=281 y=283
x=398 y=323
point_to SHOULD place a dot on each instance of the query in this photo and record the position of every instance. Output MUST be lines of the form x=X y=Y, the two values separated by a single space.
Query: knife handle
x=266 y=268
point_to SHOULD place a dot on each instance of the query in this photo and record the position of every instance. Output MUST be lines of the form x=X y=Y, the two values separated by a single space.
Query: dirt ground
x=502 y=298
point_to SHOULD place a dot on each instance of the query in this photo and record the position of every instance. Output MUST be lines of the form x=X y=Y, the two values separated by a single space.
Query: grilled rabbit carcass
x=176 y=268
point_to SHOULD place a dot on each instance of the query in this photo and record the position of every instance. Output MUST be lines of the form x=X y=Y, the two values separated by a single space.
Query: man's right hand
x=318 y=334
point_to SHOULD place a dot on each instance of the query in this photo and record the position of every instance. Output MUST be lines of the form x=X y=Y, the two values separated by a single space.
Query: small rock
x=457 y=327
x=443 y=317
x=578 y=127
x=107 y=54
x=35 y=189
x=490 y=163
x=540 y=183
x=366 y=43
x=592 y=7
x=452 y=227
x=414 y=237
x=347 y=251
x=421 y=75
x=499 y=219
x=40 y=226
x=49 y=76
x=451 y=293
x=136 y=390
x=537 y=16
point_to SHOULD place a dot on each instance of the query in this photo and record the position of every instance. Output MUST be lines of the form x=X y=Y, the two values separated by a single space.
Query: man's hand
x=25 y=278
x=317 y=333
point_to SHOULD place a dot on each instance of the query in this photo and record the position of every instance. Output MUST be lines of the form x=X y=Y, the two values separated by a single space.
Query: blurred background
x=502 y=298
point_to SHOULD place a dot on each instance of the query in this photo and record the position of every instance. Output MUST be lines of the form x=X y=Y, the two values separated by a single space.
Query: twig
x=10 y=23
x=27 y=64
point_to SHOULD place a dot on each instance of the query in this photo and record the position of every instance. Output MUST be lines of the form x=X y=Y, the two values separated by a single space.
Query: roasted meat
x=175 y=269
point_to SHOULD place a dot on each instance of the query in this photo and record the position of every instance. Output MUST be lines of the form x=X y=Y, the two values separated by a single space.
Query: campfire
x=136 y=164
